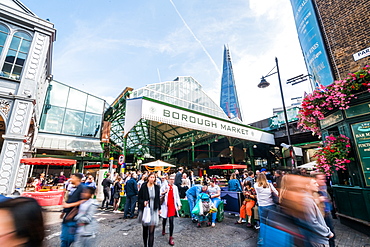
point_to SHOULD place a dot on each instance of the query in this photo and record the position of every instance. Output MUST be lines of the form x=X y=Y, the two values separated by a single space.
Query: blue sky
x=107 y=45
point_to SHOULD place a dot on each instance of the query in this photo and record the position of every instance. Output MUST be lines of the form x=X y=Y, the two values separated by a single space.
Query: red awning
x=48 y=161
x=228 y=166
x=98 y=166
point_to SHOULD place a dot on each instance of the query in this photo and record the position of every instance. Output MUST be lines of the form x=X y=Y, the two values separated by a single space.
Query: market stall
x=48 y=195
x=232 y=199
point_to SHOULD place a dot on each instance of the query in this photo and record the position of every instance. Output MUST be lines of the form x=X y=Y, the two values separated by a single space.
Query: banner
x=164 y=113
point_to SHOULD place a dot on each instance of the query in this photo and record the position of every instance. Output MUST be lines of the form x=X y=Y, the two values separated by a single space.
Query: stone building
x=26 y=43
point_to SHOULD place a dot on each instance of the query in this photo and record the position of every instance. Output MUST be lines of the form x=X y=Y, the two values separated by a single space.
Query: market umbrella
x=310 y=165
x=228 y=166
x=48 y=161
x=158 y=165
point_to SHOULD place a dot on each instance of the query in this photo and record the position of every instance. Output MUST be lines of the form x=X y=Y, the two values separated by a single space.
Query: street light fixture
x=264 y=84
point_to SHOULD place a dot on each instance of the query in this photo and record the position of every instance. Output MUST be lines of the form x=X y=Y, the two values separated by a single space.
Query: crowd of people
x=296 y=203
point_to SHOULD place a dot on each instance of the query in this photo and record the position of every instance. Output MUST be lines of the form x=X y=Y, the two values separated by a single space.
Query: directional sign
x=121 y=159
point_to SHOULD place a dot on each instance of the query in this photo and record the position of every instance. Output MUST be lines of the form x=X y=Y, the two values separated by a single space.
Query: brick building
x=334 y=36
x=345 y=26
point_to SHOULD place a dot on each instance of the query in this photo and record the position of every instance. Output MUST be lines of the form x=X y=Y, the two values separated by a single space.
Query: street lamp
x=264 y=84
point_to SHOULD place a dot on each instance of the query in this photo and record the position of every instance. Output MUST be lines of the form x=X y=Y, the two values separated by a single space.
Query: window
x=4 y=32
x=16 y=55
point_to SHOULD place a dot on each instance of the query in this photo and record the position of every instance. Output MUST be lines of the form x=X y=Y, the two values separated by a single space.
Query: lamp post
x=264 y=84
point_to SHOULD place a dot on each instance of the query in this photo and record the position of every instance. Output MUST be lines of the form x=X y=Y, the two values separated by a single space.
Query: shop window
x=16 y=56
x=4 y=32
x=52 y=119
x=92 y=125
x=73 y=121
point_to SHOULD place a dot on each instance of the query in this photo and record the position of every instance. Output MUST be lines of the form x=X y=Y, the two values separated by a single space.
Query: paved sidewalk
x=348 y=237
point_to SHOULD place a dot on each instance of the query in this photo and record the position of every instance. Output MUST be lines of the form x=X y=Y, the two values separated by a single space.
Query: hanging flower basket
x=337 y=95
x=334 y=155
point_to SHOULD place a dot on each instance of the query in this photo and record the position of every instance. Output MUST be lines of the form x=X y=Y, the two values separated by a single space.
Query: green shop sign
x=331 y=119
x=361 y=133
x=358 y=110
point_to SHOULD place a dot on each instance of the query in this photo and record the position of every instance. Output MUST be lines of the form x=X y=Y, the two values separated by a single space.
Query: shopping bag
x=146 y=215
x=197 y=207
x=212 y=209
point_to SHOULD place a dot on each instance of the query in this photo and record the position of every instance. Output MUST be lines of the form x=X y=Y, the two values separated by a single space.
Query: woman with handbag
x=171 y=205
x=149 y=198
x=264 y=191
x=248 y=203
x=117 y=193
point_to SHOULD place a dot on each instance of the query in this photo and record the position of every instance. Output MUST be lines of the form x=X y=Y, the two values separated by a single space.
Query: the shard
x=229 y=97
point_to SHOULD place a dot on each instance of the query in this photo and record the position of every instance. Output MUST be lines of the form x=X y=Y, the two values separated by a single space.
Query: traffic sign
x=121 y=159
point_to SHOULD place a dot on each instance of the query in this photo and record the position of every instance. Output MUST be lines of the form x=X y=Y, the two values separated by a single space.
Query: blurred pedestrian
x=316 y=232
x=21 y=223
x=142 y=180
x=70 y=210
x=106 y=183
x=131 y=192
x=149 y=196
x=323 y=201
x=170 y=206
x=277 y=179
x=86 y=223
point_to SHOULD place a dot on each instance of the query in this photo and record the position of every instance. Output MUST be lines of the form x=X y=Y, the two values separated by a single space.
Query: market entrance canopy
x=48 y=161
x=228 y=166
x=157 y=111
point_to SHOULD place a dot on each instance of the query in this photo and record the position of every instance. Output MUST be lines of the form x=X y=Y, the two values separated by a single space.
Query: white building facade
x=25 y=71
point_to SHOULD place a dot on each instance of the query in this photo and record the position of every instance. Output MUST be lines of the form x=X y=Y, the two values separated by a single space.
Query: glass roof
x=184 y=92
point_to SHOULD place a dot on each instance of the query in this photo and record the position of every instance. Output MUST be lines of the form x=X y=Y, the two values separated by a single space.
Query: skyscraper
x=229 y=97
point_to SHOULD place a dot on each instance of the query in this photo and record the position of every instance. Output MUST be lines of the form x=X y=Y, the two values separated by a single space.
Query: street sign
x=121 y=159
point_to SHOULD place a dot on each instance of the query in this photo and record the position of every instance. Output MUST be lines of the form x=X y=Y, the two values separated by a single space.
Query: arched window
x=4 y=32
x=17 y=55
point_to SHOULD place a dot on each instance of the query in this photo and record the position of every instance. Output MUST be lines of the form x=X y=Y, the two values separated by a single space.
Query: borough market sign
x=165 y=113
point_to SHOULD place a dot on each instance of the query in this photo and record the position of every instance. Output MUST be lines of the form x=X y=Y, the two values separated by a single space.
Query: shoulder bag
x=275 y=197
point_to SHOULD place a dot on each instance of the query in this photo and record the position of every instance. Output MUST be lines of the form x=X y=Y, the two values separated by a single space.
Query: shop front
x=351 y=187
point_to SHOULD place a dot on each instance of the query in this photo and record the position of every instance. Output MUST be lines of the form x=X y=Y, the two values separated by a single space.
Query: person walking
x=106 y=183
x=131 y=196
x=317 y=233
x=86 y=223
x=215 y=193
x=149 y=196
x=70 y=210
x=171 y=205
x=324 y=203
x=265 y=202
